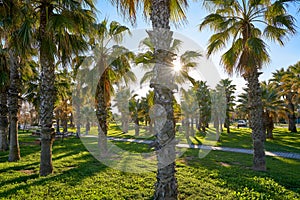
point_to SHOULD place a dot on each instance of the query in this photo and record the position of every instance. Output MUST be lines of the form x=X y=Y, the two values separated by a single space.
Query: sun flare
x=177 y=65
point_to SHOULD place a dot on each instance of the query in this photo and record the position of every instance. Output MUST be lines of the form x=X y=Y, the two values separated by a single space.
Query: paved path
x=205 y=147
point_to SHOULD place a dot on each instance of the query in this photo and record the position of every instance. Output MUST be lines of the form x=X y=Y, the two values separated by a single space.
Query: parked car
x=242 y=123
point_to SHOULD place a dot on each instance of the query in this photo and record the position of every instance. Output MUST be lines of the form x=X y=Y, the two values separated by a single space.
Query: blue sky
x=280 y=56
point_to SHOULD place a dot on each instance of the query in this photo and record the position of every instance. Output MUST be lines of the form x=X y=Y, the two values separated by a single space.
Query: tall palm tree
x=4 y=83
x=13 y=102
x=160 y=12
x=245 y=23
x=113 y=64
x=79 y=94
x=73 y=17
x=15 y=22
x=229 y=89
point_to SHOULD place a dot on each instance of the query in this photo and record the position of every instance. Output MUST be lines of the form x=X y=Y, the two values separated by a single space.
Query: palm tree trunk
x=3 y=121
x=102 y=114
x=65 y=124
x=270 y=127
x=187 y=128
x=265 y=121
x=124 y=120
x=78 y=118
x=192 y=127
x=161 y=37
x=197 y=123
x=227 y=122
x=136 y=126
x=256 y=117
x=291 y=114
x=57 y=125
x=13 y=98
x=47 y=93
x=151 y=127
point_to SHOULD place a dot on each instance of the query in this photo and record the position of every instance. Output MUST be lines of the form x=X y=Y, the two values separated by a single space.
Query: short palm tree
x=146 y=103
x=204 y=104
x=286 y=80
x=242 y=107
x=135 y=109
x=245 y=23
x=218 y=109
x=122 y=98
x=225 y=85
x=272 y=106
x=189 y=110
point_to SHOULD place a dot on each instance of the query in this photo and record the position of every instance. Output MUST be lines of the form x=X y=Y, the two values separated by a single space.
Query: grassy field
x=79 y=175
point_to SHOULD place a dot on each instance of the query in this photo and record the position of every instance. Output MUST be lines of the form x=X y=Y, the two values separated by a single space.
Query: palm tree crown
x=245 y=23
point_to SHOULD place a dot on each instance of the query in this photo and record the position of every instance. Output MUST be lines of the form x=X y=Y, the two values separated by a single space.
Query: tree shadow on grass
x=71 y=148
x=85 y=169
x=234 y=172
x=28 y=166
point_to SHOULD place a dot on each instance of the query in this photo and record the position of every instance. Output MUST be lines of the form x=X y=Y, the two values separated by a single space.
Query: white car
x=242 y=123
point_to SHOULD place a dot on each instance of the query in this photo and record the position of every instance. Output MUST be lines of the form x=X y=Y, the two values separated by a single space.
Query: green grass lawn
x=239 y=138
x=78 y=175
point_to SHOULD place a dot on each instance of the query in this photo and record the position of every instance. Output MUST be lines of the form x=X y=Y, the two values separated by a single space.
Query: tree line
x=44 y=44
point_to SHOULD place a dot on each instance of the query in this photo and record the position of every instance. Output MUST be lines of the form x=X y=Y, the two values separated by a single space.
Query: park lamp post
x=67 y=114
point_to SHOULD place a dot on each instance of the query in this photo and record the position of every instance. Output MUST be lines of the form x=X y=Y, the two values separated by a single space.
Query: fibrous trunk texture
x=13 y=103
x=3 y=121
x=161 y=37
x=47 y=92
x=102 y=114
x=256 y=117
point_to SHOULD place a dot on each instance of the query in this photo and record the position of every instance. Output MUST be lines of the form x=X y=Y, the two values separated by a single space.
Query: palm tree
x=146 y=103
x=189 y=109
x=122 y=103
x=218 y=105
x=238 y=20
x=74 y=18
x=160 y=12
x=15 y=21
x=4 y=83
x=287 y=81
x=272 y=105
x=135 y=113
x=204 y=104
x=79 y=94
x=13 y=102
x=229 y=89
x=242 y=108
x=113 y=64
